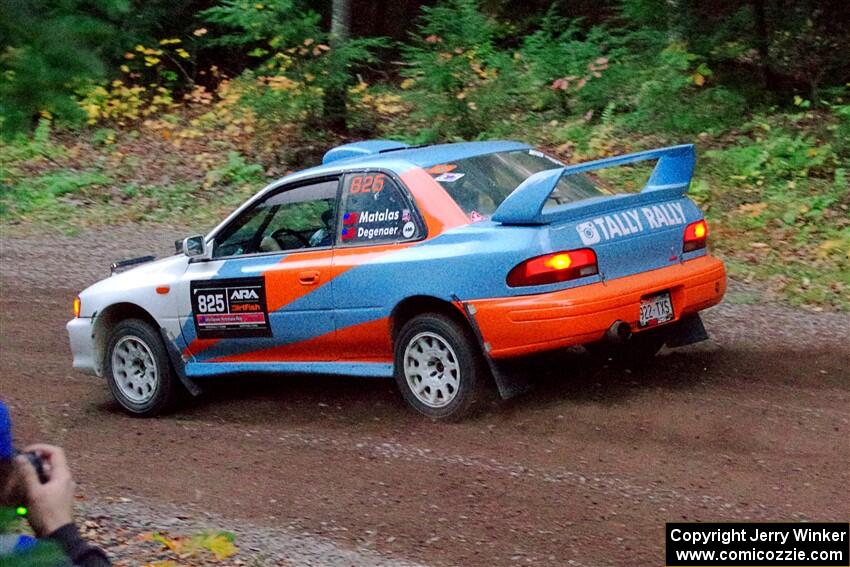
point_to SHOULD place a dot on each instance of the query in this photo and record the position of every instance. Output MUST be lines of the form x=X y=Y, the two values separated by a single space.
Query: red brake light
x=695 y=237
x=556 y=267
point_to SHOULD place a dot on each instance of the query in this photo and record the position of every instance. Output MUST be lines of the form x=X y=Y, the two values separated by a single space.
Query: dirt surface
x=751 y=425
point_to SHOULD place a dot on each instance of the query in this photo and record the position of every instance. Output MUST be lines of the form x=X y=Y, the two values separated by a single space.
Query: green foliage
x=235 y=171
x=47 y=46
x=563 y=69
x=784 y=47
x=278 y=99
x=297 y=68
x=784 y=204
x=461 y=81
x=261 y=26
x=466 y=84
x=671 y=97
x=841 y=139
x=806 y=48
x=22 y=148
x=773 y=158
x=646 y=14
x=42 y=194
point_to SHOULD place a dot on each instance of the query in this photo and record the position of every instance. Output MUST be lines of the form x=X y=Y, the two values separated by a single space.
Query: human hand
x=50 y=504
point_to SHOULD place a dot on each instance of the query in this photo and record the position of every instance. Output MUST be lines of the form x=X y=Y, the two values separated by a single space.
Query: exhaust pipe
x=618 y=332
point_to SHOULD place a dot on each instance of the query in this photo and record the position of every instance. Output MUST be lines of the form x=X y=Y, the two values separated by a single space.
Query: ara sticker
x=408 y=230
x=230 y=308
x=441 y=168
x=448 y=177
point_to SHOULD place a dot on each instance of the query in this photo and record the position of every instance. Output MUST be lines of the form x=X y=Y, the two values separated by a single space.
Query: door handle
x=308 y=278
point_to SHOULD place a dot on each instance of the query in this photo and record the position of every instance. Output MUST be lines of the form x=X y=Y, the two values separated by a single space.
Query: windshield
x=480 y=184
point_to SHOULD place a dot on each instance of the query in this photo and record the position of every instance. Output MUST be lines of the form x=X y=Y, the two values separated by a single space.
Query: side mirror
x=194 y=246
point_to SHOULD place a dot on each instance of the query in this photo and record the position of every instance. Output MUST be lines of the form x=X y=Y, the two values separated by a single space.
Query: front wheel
x=138 y=370
x=438 y=367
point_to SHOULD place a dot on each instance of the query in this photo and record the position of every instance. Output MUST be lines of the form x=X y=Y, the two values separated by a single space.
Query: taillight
x=696 y=234
x=76 y=307
x=552 y=268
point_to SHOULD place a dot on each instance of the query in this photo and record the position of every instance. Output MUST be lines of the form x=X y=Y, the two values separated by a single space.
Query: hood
x=157 y=272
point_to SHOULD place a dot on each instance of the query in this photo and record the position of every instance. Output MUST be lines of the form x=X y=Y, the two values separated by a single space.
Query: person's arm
x=51 y=506
x=78 y=551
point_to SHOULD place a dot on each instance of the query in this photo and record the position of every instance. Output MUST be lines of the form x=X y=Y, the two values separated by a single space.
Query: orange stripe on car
x=281 y=291
x=439 y=210
x=366 y=342
x=198 y=345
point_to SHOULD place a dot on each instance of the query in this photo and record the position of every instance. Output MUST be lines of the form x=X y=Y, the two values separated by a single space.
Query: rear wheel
x=638 y=350
x=137 y=369
x=438 y=367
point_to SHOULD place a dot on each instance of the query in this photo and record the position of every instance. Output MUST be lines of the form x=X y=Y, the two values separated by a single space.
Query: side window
x=293 y=219
x=375 y=210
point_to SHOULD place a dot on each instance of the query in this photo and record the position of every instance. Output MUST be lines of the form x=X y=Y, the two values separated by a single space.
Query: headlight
x=76 y=307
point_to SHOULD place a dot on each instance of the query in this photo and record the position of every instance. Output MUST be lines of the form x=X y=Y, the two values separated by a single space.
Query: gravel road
x=584 y=470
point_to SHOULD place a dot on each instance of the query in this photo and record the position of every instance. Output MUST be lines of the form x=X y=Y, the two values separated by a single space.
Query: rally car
x=433 y=265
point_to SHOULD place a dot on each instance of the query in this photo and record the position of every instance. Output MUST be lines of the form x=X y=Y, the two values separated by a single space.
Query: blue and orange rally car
x=432 y=264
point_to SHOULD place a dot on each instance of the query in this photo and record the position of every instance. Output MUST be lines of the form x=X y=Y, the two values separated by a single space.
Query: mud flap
x=178 y=364
x=687 y=331
x=510 y=384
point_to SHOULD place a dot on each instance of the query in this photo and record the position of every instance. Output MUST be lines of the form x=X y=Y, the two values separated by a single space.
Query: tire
x=138 y=370
x=438 y=343
x=637 y=351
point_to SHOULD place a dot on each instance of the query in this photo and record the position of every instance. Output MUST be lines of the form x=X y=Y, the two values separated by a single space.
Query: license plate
x=656 y=309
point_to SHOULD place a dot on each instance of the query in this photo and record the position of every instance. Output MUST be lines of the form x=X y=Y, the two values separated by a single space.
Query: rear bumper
x=515 y=326
x=80 y=334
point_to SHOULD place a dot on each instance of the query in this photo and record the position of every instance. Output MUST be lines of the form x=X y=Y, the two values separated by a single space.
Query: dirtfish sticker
x=633 y=221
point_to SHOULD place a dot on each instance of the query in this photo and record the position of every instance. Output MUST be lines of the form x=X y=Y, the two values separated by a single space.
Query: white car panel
x=136 y=286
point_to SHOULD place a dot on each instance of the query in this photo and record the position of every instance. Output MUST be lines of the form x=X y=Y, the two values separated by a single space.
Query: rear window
x=480 y=184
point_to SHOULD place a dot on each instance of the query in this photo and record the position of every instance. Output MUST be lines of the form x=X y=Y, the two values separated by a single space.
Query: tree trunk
x=335 y=111
x=340 y=21
x=763 y=44
x=674 y=19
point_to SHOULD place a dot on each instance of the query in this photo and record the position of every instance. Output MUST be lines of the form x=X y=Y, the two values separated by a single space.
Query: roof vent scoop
x=361 y=149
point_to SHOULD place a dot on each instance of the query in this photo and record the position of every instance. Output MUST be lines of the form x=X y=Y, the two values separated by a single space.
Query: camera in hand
x=38 y=465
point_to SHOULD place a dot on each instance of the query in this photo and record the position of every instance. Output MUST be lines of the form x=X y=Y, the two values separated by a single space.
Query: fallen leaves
x=218 y=544
x=752 y=210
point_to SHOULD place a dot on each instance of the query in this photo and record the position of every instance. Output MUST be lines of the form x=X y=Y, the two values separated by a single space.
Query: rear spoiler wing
x=670 y=179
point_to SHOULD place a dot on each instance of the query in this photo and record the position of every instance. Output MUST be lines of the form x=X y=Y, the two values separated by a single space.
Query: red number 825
x=367 y=183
